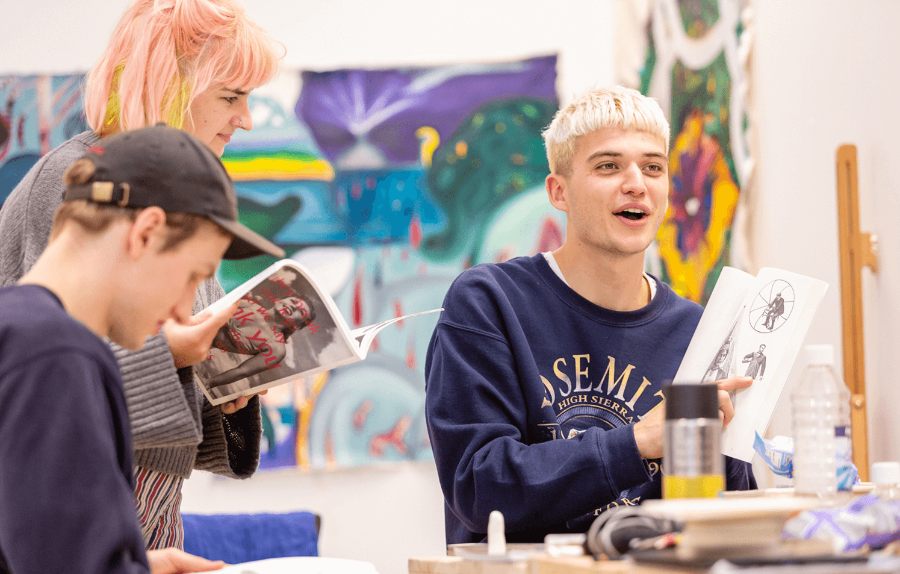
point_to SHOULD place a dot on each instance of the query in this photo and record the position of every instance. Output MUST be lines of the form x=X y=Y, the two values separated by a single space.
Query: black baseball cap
x=169 y=168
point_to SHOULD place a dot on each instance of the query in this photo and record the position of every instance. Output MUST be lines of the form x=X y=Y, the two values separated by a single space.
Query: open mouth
x=632 y=214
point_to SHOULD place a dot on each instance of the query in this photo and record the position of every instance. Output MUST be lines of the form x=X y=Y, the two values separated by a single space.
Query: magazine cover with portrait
x=285 y=327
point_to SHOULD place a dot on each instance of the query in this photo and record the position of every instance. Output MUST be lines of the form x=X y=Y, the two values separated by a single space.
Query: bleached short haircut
x=596 y=109
x=165 y=52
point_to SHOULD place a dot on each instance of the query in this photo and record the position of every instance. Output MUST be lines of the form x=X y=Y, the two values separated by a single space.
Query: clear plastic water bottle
x=842 y=438
x=814 y=416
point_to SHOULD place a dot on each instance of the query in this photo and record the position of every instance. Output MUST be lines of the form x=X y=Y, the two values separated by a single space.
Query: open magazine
x=285 y=328
x=752 y=326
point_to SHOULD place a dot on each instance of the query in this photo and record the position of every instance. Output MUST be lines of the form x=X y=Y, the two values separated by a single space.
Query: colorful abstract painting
x=37 y=113
x=695 y=67
x=386 y=184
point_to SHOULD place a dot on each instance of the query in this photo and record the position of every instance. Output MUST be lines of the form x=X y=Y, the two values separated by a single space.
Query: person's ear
x=146 y=231
x=556 y=190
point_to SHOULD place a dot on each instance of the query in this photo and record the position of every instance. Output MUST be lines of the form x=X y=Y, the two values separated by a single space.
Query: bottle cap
x=886 y=472
x=691 y=401
x=820 y=354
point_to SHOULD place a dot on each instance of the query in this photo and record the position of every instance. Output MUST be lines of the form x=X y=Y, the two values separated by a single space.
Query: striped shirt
x=157 y=499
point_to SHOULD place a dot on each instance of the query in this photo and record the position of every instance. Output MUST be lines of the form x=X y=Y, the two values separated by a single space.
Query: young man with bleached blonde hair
x=544 y=373
x=615 y=106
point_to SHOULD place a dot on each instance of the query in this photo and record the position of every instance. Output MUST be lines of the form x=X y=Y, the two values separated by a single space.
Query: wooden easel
x=857 y=251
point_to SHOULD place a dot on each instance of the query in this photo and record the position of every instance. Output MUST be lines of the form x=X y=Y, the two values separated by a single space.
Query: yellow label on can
x=703 y=486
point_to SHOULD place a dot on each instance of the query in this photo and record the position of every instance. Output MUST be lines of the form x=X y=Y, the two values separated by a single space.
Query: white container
x=814 y=416
x=886 y=476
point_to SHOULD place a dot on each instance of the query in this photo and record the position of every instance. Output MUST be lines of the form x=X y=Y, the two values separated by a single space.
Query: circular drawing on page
x=772 y=306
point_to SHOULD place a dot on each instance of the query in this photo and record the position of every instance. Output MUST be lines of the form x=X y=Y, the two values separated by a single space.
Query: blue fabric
x=237 y=538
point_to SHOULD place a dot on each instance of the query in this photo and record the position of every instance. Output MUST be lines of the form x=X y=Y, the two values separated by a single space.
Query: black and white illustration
x=772 y=306
x=722 y=365
x=752 y=326
x=756 y=368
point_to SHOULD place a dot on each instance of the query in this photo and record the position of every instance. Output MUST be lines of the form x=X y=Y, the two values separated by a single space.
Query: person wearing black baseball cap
x=193 y=64
x=147 y=215
x=168 y=168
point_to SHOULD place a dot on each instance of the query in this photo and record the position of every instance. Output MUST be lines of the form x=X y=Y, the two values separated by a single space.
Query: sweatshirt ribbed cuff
x=158 y=409
x=237 y=434
x=174 y=461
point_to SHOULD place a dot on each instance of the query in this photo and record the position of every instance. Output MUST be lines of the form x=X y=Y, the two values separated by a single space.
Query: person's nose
x=243 y=119
x=181 y=311
x=633 y=182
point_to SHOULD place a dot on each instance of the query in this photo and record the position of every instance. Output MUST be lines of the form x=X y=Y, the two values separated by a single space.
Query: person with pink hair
x=190 y=64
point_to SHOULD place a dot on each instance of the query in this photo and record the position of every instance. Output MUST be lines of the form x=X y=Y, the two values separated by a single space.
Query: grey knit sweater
x=174 y=428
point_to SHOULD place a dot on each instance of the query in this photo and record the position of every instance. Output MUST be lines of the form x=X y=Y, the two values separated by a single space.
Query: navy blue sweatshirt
x=531 y=396
x=66 y=486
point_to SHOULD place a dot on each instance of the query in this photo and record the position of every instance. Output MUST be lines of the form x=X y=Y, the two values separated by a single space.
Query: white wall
x=825 y=74
x=50 y=36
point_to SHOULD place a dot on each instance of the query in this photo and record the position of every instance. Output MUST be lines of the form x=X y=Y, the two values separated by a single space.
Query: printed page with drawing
x=285 y=328
x=751 y=326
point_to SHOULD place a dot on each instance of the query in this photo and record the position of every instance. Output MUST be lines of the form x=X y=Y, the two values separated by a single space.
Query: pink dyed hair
x=165 y=52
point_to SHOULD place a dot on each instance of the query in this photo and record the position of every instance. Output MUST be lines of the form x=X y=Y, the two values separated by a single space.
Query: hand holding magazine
x=752 y=326
x=286 y=327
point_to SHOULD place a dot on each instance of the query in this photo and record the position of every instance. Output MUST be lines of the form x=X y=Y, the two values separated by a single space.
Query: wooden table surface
x=540 y=564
